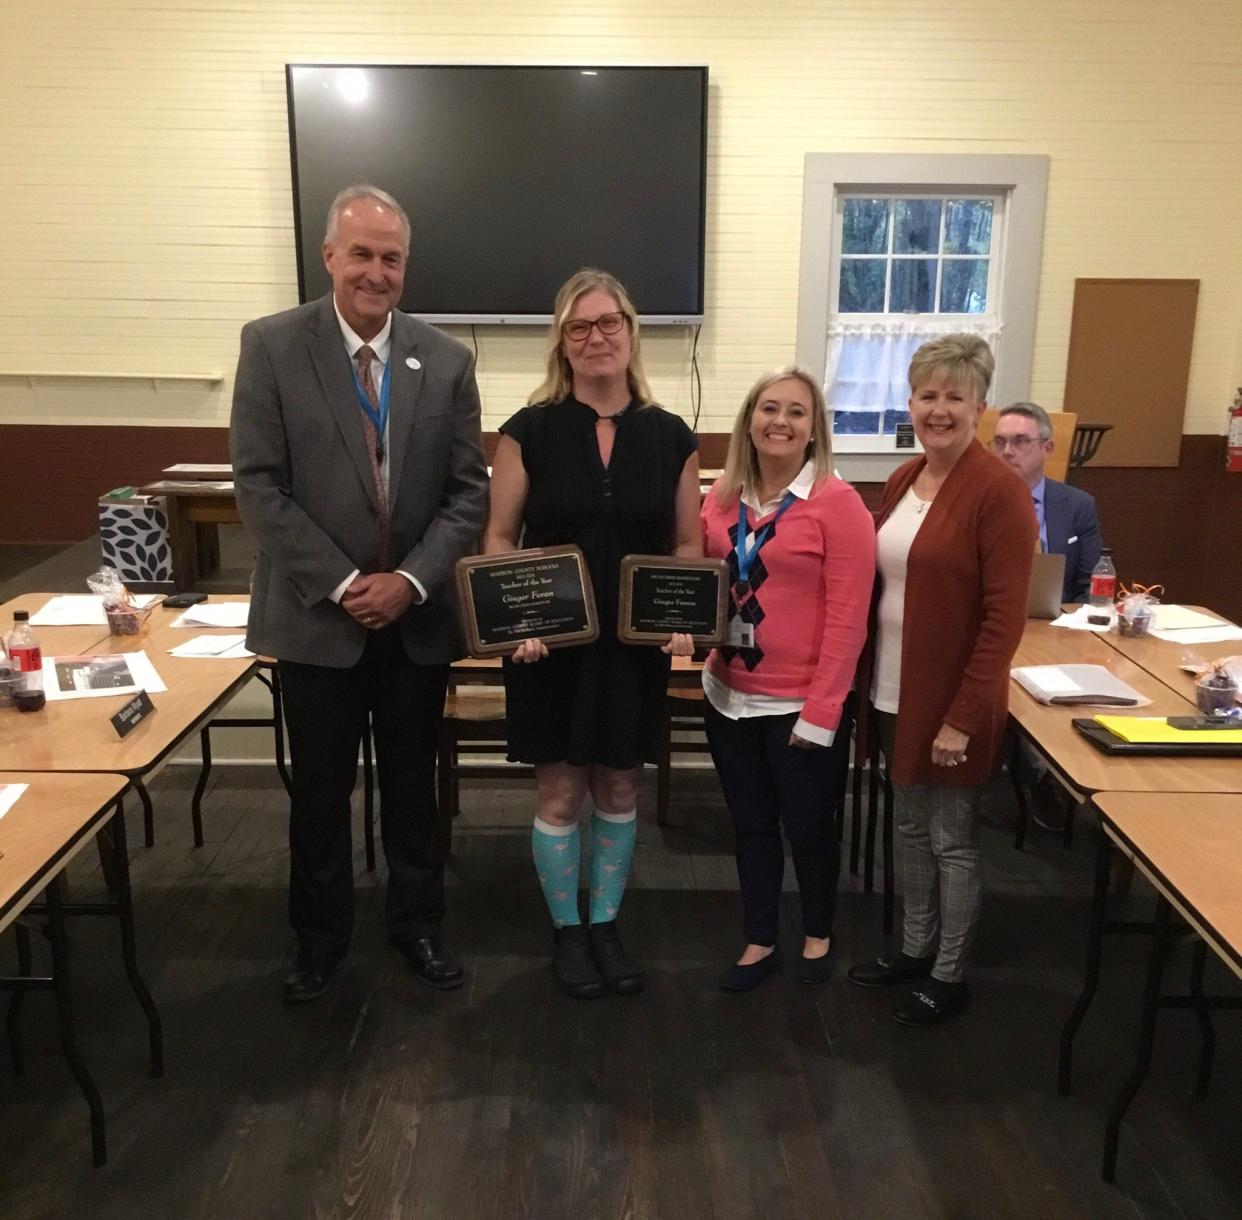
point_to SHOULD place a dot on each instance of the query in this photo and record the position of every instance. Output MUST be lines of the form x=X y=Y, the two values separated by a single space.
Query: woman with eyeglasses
x=955 y=535
x=594 y=462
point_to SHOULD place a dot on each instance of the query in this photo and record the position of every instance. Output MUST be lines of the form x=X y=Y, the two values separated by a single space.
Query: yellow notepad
x=1154 y=729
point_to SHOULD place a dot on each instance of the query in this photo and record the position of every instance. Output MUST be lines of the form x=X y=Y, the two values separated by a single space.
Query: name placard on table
x=542 y=593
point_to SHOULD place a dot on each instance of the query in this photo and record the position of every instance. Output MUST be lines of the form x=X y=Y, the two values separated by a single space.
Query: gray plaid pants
x=939 y=865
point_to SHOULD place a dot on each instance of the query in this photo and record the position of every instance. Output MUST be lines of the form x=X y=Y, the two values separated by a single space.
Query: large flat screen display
x=514 y=177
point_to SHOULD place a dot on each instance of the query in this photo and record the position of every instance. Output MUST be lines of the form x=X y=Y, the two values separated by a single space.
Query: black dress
x=602 y=702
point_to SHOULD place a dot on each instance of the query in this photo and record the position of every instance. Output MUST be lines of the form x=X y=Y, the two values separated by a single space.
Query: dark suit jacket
x=305 y=491
x=1073 y=531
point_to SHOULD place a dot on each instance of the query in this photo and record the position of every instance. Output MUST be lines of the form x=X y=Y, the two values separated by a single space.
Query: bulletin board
x=1129 y=364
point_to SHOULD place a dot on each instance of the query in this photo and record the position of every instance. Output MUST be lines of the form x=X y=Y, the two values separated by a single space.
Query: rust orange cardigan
x=966 y=593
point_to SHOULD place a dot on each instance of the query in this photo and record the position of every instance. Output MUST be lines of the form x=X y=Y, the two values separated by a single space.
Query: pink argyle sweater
x=808 y=598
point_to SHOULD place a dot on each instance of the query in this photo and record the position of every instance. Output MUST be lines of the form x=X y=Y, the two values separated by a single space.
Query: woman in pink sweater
x=801 y=552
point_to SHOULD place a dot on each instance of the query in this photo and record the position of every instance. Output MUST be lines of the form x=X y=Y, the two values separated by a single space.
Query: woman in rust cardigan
x=956 y=531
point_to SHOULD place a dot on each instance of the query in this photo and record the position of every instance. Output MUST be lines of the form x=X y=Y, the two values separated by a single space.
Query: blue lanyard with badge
x=378 y=418
x=741 y=632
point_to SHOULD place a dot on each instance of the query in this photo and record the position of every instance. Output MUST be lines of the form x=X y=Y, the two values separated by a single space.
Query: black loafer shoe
x=622 y=974
x=745 y=978
x=932 y=1002
x=311 y=975
x=814 y=970
x=886 y=971
x=431 y=963
x=574 y=965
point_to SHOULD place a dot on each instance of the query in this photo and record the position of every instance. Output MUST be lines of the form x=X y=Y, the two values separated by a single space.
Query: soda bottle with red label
x=1104 y=580
x=26 y=661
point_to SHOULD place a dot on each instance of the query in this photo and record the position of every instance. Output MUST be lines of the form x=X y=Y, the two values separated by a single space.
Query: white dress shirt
x=381 y=345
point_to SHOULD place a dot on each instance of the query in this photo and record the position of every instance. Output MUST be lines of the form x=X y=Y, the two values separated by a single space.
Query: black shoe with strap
x=573 y=964
x=932 y=1002
x=622 y=974
x=888 y=970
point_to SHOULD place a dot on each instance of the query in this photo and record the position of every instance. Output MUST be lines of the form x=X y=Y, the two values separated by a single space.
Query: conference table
x=1192 y=856
x=77 y=734
x=39 y=835
x=1154 y=808
x=71 y=746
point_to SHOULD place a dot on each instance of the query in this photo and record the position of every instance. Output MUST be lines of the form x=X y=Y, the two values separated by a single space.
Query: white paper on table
x=1077 y=619
x=1199 y=635
x=81 y=610
x=222 y=469
x=1077 y=685
x=214 y=614
x=8 y=796
x=1179 y=618
x=225 y=647
x=95 y=677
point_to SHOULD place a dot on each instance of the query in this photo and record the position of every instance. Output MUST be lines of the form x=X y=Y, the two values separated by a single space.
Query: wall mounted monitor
x=514 y=177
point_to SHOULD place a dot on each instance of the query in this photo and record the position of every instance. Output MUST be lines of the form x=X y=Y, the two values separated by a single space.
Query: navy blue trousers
x=770 y=785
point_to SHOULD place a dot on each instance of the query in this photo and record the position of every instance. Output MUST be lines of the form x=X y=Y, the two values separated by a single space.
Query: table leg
x=64 y=1017
x=1091 y=976
x=1207 y=1034
x=13 y=1016
x=125 y=908
x=196 y=801
x=1019 y=790
x=1147 y=1034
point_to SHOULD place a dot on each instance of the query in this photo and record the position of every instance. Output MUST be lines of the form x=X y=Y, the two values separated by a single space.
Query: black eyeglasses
x=578 y=329
x=1019 y=443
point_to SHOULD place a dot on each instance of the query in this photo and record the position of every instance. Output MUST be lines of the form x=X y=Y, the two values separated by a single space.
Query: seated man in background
x=1069 y=526
x=1068 y=522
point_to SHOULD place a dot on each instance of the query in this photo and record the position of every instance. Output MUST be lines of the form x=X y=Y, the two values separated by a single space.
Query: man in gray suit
x=359 y=470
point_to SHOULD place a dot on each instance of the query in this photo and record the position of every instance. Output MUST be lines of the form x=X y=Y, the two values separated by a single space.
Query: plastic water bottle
x=1104 y=580
x=26 y=660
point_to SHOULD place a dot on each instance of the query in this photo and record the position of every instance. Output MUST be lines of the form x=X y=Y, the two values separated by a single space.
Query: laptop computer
x=1047 y=581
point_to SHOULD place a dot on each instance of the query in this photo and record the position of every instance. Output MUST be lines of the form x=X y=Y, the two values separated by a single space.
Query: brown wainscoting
x=55 y=474
x=1179 y=526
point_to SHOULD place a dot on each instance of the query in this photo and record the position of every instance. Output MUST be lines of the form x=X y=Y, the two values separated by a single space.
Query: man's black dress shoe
x=311 y=975
x=932 y=1002
x=885 y=971
x=431 y=963
x=745 y=978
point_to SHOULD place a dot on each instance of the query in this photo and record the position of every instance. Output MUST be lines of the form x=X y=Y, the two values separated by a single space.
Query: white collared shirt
x=742 y=705
x=381 y=345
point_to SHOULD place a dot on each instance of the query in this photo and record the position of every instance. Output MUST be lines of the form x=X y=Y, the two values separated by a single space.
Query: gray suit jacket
x=305 y=491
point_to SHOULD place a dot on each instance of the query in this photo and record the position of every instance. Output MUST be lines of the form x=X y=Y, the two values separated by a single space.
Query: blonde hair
x=959 y=357
x=559 y=378
x=742 y=464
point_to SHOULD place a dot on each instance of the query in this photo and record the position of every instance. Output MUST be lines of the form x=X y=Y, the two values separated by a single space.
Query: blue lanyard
x=378 y=418
x=746 y=556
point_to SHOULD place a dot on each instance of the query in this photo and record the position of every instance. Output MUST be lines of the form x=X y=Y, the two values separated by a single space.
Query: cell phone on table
x=179 y=601
x=1204 y=722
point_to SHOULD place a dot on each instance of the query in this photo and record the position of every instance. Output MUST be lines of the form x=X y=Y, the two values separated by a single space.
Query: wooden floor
x=506 y=1099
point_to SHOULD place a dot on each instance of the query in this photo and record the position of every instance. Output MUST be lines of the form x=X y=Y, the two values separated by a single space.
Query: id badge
x=741 y=633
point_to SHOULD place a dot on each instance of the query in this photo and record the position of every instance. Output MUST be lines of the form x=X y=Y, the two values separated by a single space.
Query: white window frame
x=1023 y=180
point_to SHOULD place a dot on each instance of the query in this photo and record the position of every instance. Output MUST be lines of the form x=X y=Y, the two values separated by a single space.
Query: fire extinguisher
x=1234 y=459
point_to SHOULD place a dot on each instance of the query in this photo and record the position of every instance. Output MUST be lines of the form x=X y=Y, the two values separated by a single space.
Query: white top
x=741 y=705
x=892 y=551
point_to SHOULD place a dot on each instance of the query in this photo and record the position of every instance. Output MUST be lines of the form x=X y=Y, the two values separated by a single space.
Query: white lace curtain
x=868 y=361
